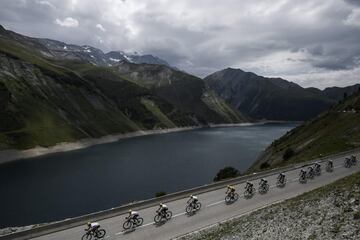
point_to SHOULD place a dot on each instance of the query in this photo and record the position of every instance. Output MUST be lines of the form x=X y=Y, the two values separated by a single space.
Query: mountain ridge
x=273 y=98
x=61 y=50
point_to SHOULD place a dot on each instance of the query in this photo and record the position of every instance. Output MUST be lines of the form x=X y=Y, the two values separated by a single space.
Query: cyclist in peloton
x=162 y=209
x=317 y=166
x=302 y=173
x=281 y=177
x=353 y=158
x=230 y=190
x=311 y=171
x=132 y=214
x=92 y=226
x=249 y=186
x=192 y=200
x=263 y=182
x=330 y=163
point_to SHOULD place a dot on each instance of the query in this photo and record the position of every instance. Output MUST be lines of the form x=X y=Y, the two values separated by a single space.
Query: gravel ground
x=330 y=212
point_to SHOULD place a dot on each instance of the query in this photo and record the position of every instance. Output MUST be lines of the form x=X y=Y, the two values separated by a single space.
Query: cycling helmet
x=88 y=223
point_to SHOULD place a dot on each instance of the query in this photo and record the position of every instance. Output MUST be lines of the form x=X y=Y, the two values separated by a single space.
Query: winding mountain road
x=213 y=209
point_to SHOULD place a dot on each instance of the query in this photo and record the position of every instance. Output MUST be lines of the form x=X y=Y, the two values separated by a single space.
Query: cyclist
x=330 y=164
x=230 y=190
x=317 y=167
x=162 y=209
x=132 y=214
x=302 y=173
x=192 y=200
x=249 y=186
x=92 y=226
x=311 y=171
x=263 y=182
x=281 y=177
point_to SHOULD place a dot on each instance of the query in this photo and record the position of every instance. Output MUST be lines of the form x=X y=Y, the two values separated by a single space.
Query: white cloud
x=46 y=3
x=353 y=18
x=67 y=22
x=99 y=26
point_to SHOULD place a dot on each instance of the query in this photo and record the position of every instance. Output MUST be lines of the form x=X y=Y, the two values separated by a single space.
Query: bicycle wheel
x=235 y=197
x=100 y=233
x=127 y=225
x=168 y=215
x=139 y=221
x=247 y=193
x=227 y=198
x=347 y=163
x=198 y=206
x=189 y=208
x=86 y=236
x=157 y=218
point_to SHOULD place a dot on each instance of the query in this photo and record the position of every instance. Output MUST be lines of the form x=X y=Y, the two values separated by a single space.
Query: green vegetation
x=331 y=132
x=213 y=101
x=225 y=173
x=288 y=154
x=165 y=122
x=160 y=194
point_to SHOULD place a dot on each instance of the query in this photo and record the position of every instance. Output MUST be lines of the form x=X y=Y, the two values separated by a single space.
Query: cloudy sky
x=311 y=42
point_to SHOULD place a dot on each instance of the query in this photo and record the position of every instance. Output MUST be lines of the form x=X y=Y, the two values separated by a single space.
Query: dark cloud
x=355 y=2
x=274 y=38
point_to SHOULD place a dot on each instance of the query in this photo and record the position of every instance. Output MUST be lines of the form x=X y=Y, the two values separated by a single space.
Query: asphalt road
x=213 y=209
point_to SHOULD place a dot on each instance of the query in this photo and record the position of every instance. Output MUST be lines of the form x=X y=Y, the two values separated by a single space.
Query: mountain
x=335 y=130
x=47 y=98
x=188 y=93
x=272 y=98
x=62 y=51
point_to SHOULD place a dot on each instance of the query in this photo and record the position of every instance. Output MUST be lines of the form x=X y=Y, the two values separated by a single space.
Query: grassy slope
x=47 y=102
x=333 y=131
x=35 y=106
x=213 y=101
x=324 y=213
x=186 y=92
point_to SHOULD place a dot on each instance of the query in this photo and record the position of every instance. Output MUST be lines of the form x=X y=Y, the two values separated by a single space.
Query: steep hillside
x=188 y=93
x=272 y=98
x=44 y=101
x=335 y=130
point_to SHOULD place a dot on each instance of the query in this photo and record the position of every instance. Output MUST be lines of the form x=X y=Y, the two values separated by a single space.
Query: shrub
x=227 y=172
x=289 y=153
x=160 y=194
x=264 y=165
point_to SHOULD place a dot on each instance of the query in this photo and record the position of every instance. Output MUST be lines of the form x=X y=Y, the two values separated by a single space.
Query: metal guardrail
x=82 y=220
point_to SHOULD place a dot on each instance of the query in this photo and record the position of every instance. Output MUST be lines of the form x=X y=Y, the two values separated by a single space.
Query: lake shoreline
x=10 y=155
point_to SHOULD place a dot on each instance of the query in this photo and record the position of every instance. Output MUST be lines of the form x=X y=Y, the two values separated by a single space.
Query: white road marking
x=212 y=204
x=179 y=214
